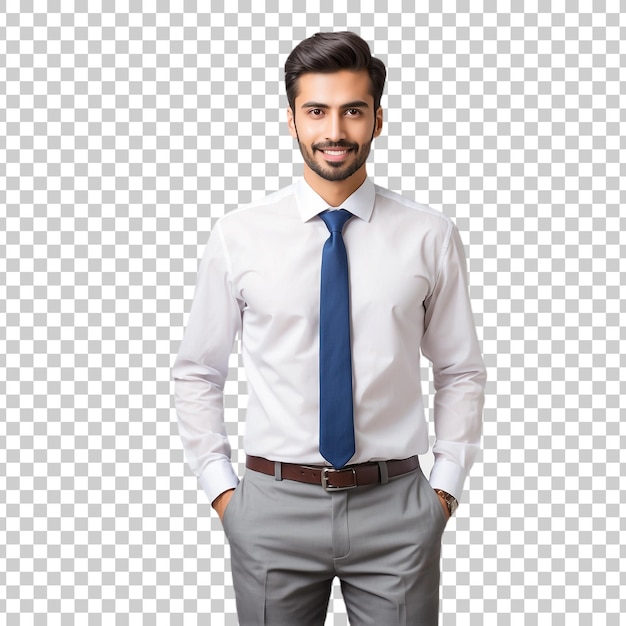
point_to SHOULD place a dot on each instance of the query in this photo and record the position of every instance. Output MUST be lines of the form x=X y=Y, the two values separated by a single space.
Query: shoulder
x=259 y=209
x=254 y=224
x=413 y=212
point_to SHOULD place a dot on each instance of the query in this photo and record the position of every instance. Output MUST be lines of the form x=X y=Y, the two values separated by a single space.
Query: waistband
x=331 y=479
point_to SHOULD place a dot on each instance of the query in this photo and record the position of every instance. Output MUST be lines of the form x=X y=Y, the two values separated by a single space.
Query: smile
x=336 y=156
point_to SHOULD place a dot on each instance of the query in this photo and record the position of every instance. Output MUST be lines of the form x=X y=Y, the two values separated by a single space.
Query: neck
x=334 y=192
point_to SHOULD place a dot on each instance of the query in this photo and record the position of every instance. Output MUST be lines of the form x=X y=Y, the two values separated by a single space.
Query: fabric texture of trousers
x=289 y=540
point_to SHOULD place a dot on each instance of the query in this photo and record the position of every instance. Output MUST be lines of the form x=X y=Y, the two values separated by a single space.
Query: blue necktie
x=336 y=414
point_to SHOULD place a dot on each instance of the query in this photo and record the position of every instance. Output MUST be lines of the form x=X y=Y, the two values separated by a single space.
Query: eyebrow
x=357 y=104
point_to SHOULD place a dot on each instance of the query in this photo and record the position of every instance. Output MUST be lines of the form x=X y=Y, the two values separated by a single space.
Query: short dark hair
x=324 y=53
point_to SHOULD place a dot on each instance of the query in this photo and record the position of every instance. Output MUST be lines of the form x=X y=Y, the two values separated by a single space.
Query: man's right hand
x=221 y=502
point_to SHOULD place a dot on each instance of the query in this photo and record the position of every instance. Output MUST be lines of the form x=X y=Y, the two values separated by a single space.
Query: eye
x=315 y=112
x=353 y=112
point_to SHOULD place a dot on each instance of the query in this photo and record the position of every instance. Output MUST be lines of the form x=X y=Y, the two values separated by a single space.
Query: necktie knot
x=335 y=220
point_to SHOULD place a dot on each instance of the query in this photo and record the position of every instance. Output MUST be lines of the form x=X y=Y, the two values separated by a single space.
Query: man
x=334 y=285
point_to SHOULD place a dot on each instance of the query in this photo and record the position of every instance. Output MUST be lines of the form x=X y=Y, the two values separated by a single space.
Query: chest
x=280 y=278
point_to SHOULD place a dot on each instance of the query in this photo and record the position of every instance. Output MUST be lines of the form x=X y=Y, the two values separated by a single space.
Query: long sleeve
x=201 y=368
x=450 y=343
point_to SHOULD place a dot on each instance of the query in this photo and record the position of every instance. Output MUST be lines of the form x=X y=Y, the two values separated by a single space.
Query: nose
x=335 y=129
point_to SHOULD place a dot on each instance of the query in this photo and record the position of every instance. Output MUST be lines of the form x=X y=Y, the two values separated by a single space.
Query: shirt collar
x=310 y=204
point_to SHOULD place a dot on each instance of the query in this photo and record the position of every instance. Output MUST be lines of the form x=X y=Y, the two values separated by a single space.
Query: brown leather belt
x=333 y=479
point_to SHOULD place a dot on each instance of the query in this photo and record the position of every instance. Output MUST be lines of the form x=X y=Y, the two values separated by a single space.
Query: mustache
x=340 y=145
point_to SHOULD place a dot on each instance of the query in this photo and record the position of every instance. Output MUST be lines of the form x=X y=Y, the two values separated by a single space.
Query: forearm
x=199 y=408
x=458 y=428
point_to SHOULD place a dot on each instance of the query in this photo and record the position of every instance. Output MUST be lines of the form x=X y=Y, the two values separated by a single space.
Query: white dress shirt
x=260 y=276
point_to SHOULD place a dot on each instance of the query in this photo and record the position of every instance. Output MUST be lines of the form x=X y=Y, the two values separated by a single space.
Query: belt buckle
x=327 y=470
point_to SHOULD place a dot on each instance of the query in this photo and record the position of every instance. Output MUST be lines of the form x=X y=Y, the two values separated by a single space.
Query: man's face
x=334 y=122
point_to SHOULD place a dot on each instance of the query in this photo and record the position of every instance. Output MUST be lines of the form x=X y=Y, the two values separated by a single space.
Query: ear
x=378 y=122
x=291 y=123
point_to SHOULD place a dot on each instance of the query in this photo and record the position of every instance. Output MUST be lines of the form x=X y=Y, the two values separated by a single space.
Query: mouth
x=336 y=155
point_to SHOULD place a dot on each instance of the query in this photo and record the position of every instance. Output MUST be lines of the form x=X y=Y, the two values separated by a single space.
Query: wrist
x=449 y=500
x=217 y=502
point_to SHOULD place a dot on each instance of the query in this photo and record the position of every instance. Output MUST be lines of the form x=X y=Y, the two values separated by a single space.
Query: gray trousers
x=289 y=540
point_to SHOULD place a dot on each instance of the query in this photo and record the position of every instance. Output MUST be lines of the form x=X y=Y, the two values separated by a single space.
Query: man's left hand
x=444 y=504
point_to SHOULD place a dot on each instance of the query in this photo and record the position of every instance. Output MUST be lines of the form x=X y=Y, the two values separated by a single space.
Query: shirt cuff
x=448 y=477
x=217 y=478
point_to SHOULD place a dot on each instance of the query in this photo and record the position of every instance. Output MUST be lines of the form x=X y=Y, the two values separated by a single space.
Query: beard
x=336 y=171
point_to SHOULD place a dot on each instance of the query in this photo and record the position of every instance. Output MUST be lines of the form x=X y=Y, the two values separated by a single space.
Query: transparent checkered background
x=128 y=128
